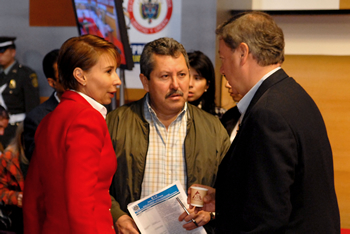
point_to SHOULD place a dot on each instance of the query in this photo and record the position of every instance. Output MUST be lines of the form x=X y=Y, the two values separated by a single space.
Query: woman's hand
x=19 y=199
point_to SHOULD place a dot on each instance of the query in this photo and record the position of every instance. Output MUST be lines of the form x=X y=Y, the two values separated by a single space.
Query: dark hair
x=259 y=31
x=82 y=52
x=49 y=60
x=204 y=67
x=161 y=46
x=3 y=113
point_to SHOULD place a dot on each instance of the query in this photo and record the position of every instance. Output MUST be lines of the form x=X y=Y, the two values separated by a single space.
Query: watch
x=212 y=216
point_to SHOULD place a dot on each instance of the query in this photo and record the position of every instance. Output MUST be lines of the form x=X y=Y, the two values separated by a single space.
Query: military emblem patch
x=34 y=79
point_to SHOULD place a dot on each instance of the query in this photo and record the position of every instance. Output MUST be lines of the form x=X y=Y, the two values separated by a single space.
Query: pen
x=184 y=207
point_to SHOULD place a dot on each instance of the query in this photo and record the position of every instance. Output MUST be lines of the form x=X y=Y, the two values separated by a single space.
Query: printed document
x=159 y=212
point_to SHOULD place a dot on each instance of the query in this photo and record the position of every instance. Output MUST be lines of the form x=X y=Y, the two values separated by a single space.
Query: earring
x=205 y=90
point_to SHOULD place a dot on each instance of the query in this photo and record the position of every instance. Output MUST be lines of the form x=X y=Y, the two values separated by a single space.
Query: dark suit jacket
x=66 y=189
x=32 y=120
x=277 y=176
x=230 y=118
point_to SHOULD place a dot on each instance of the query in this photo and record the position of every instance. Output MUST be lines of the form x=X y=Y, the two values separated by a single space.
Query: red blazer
x=66 y=189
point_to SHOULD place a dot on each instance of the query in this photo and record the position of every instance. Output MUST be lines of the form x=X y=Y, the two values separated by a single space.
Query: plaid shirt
x=165 y=161
x=11 y=178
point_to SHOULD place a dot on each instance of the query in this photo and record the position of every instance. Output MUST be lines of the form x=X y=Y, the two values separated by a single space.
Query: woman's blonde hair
x=17 y=146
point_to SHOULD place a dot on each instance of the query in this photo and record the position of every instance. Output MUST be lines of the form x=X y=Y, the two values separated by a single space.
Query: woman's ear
x=207 y=86
x=78 y=74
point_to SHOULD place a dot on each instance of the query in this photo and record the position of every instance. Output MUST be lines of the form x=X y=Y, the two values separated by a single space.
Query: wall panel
x=51 y=13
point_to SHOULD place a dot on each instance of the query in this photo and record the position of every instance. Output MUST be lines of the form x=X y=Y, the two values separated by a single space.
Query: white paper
x=159 y=212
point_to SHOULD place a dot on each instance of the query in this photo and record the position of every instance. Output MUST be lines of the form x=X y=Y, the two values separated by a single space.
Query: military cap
x=6 y=42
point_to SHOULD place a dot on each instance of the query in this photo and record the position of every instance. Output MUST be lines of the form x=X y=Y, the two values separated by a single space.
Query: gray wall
x=198 y=26
x=32 y=43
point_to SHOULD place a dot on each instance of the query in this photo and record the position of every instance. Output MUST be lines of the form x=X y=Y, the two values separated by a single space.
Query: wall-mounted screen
x=105 y=18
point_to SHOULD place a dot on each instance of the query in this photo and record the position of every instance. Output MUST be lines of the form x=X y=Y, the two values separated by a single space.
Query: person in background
x=19 y=92
x=11 y=185
x=202 y=83
x=34 y=117
x=73 y=161
x=278 y=175
x=231 y=117
x=162 y=133
x=4 y=121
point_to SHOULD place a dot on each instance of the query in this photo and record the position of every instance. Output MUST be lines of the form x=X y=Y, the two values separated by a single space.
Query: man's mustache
x=174 y=92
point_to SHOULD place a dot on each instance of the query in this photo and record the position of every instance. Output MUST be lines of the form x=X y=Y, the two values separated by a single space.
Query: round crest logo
x=150 y=16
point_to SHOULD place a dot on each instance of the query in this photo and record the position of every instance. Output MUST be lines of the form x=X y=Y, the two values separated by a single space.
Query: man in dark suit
x=277 y=176
x=35 y=116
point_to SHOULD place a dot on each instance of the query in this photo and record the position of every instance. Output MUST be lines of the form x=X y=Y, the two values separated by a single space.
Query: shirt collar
x=7 y=70
x=56 y=96
x=97 y=106
x=243 y=104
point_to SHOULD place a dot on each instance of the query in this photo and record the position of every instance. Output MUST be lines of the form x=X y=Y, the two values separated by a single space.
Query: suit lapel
x=275 y=78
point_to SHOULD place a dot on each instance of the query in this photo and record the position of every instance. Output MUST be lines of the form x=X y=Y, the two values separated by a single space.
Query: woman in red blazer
x=66 y=189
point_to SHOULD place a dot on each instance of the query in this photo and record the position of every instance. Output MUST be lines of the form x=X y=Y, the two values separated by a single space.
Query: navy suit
x=230 y=119
x=31 y=122
x=277 y=176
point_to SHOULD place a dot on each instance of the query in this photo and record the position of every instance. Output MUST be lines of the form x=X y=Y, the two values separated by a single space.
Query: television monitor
x=105 y=18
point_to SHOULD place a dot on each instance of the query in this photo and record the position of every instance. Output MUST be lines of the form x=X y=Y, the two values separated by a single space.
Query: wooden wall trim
x=344 y=4
x=131 y=95
x=51 y=13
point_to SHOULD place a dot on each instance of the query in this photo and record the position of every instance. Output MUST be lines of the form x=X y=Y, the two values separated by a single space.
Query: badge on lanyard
x=12 y=84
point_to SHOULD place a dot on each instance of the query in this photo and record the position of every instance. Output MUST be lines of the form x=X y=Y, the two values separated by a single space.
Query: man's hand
x=126 y=225
x=201 y=218
x=209 y=199
x=19 y=199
